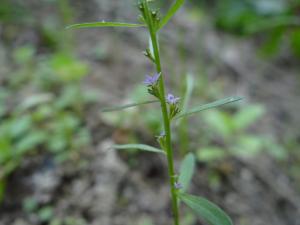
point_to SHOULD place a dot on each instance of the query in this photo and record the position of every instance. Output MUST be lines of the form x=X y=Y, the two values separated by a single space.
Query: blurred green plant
x=239 y=15
x=12 y=11
x=145 y=221
x=230 y=136
x=46 y=214
x=49 y=117
x=276 y=20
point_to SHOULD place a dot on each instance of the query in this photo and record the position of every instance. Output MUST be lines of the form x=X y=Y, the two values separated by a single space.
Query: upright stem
x=166 y=119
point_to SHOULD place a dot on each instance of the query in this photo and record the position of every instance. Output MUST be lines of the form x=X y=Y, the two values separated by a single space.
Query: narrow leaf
x=118 y=108
x=174 y=8
x=207 y=210
x=209 y=106
x=142 y=147
x=186 y=171
x=103 y=24
x=188 y=93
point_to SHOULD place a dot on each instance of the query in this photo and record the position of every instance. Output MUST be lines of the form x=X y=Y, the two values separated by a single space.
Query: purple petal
x=171 y=99
x=178 y=185
x=151 y=80
x=156 y=77
x=148 y=80
x=162 y=134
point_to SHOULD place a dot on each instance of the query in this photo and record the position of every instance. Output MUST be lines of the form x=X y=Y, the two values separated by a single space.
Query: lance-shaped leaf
x=118 y=108
x=142 y=147
x=209 y=106
x=103 y=24
x=186 y=171
x=190 y=81
x=171 y=12
x=206 y=210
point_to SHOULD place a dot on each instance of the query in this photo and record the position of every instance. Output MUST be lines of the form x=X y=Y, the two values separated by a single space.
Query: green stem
x=166 y=119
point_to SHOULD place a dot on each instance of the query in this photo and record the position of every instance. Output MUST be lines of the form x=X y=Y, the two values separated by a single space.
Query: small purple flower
x=151 y=80
x=162 y=134
x=171 y=99
x=178 y=185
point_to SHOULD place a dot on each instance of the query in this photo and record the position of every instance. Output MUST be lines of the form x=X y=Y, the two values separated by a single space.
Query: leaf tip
x=69 y=27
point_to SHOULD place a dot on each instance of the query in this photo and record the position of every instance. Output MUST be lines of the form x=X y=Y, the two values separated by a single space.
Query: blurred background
x=56 y=165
